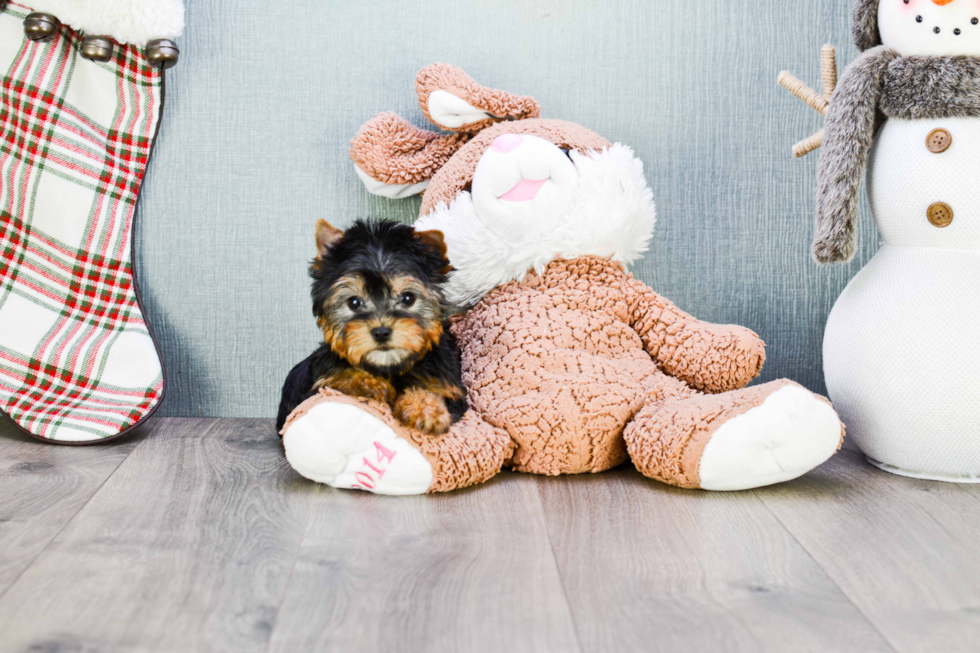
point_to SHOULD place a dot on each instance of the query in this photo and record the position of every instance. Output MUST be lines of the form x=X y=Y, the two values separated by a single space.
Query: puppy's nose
x=381 y=334
x=507 y=143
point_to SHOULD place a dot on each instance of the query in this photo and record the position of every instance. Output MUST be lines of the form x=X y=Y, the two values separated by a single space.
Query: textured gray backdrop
x=253 y=150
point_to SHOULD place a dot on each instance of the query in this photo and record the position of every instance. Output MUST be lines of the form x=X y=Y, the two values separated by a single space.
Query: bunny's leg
x=564 y=408
x=736 y=440
x=349 y=443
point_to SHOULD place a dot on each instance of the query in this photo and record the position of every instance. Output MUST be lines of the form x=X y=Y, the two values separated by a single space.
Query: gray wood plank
x=187 y=547
x=42 y=487
x=903 y=550
x=471 y=571
x=195 y=542
x=654 y=568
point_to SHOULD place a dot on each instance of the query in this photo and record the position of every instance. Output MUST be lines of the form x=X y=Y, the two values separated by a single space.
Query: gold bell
x=41 y=27
x=162 y=53
x=96 y=48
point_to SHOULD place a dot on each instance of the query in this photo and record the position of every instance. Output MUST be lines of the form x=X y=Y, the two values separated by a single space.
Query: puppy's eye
x=355 y=303
x=406 y=299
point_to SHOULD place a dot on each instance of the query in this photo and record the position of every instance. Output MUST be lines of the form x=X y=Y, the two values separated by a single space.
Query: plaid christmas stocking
x=78 y=362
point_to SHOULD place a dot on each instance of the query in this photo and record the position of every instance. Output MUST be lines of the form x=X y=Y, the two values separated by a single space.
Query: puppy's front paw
x=358 y=383
x=423 y=410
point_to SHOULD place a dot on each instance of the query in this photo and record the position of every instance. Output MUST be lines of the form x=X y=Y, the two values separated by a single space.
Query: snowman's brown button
x=940 y=214
x=939 y=140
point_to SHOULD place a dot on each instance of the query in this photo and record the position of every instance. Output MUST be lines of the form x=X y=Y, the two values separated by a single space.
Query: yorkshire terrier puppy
x=377 y=298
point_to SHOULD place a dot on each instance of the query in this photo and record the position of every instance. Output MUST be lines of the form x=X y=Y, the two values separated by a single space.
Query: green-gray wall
x=253 y=149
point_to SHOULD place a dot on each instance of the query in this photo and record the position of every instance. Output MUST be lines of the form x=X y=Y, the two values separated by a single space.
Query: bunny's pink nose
x=507 y=143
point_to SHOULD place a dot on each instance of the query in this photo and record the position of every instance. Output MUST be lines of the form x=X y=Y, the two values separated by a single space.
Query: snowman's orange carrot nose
x=942 y=3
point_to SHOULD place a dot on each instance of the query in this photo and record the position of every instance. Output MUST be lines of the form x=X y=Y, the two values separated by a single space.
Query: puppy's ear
x=434 y=239
x=326 y=236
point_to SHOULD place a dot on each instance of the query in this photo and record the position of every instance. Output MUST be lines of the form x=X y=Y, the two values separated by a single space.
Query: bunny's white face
x=523 y=186
x=532 y=202
x=930 y=27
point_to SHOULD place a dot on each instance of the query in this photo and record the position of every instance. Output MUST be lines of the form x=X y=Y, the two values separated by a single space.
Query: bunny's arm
x=851 y=122
x=709 y=357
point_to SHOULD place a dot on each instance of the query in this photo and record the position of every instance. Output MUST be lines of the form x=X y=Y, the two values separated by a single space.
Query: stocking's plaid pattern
x=77 y=362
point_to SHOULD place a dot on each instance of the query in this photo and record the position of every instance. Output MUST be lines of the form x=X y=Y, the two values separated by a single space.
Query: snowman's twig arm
x=709 y=357
x=848 y=137
x=828 y=70
x=813 y=99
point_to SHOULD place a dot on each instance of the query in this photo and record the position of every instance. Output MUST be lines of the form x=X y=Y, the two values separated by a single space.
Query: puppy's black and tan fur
x=377 y=299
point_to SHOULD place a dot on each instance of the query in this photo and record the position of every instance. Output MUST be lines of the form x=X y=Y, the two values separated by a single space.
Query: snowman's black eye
x=906 y=1
x=975 y=21
x=918 y=19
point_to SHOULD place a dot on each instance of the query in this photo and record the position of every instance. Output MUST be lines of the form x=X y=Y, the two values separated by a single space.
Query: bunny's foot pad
x=346 y=447
x=354 y=444
x=784 y=437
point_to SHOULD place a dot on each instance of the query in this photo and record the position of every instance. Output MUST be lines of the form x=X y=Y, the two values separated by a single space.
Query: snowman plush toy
x=901 y=353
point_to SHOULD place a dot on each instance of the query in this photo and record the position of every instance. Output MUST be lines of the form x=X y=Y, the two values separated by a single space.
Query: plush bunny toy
x=571 y=364
x=900 y=353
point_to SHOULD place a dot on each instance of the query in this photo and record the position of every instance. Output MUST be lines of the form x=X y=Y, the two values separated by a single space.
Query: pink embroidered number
x=367 y=482
x=365 y=479
x=384 y=453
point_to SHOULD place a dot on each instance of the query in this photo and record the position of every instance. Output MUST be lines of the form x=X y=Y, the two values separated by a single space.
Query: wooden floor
x=194 y=535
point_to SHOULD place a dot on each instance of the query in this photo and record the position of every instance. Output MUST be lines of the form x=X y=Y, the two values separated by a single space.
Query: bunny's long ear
x=395 y=159
x=452 y=100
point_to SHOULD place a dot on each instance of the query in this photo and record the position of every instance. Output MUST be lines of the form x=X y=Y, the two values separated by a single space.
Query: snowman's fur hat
x=866 y=34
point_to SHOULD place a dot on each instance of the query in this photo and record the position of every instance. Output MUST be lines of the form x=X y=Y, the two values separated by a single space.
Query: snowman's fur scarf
x=880 y=85
x=931 y=87
x=612 y=216
x=127 y=21
x=849 y=133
